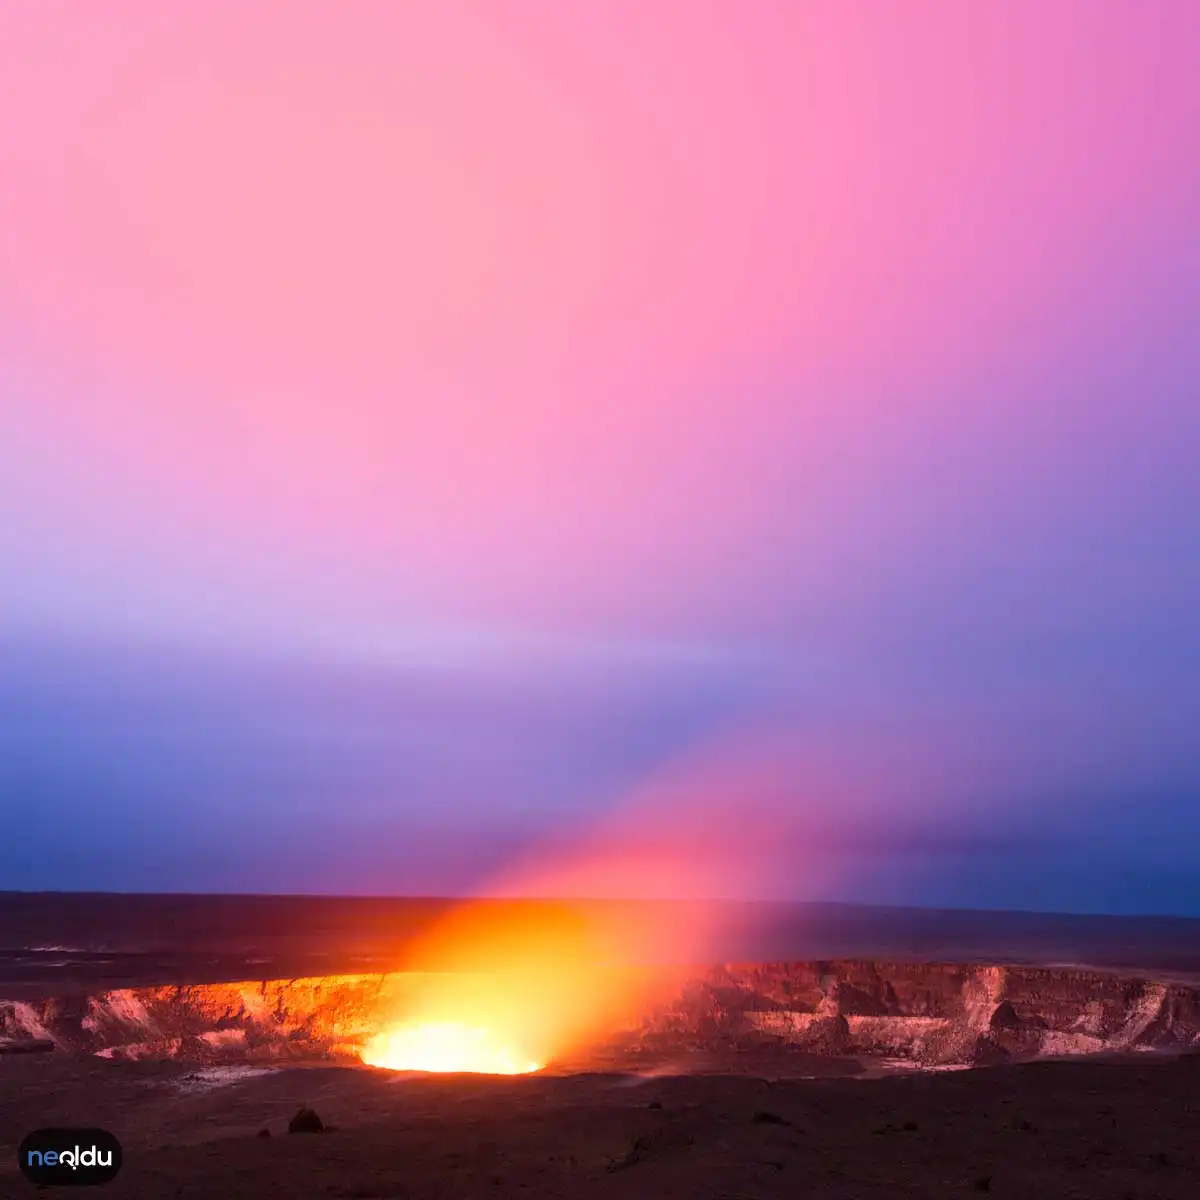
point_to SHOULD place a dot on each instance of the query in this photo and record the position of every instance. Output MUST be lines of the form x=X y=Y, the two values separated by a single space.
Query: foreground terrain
x=1126 y=1127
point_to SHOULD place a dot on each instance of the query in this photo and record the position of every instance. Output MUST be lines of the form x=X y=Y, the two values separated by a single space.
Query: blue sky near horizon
x=161 y=771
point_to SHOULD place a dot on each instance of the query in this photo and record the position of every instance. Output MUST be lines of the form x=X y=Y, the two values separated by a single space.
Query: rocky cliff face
x=930 y=1014
x=253 y=1019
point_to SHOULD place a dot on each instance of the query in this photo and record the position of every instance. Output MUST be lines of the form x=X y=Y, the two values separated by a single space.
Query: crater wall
x=928 y=1014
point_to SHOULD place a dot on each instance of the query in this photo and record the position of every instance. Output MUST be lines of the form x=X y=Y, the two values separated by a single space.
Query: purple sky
x=748 y=449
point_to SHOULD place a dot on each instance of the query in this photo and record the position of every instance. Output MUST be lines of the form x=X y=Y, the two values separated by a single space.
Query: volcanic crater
x=902 y=1014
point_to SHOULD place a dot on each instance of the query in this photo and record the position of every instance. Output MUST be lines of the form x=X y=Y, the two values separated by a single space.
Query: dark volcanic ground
x=51 y=943
x=1094 y=1129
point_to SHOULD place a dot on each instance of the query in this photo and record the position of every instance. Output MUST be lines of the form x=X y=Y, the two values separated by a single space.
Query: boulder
x=306 y=1121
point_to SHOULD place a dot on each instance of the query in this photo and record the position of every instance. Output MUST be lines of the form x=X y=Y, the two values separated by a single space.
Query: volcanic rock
x=306 y=1121
x=763 y=1117
x=925 y=1013
x=1005 y=1017
x=25 y=1045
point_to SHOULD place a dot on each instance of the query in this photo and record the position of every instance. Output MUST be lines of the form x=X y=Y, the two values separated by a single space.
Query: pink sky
x=438 y=300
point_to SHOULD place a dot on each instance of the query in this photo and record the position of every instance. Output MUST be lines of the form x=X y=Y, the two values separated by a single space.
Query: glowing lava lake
x=445 y=1046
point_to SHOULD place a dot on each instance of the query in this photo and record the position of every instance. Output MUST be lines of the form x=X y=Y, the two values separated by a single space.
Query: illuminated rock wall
x=926 y=1013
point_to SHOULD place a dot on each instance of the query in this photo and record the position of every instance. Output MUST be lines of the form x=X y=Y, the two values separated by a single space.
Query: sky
x=637 y=448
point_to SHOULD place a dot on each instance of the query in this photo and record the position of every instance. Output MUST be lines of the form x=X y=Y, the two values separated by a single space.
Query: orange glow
x=510 y=985
x=505 y=988
x=445 y=1046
